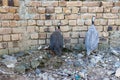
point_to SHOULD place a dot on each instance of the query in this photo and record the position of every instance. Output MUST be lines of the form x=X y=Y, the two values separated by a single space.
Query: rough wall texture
x=115 y=39
x=24 y=25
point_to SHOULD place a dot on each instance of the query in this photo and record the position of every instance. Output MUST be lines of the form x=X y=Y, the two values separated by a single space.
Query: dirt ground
x=99 y=66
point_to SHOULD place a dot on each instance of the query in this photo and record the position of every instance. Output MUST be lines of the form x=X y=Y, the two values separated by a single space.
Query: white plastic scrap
x=92 y=39
x=46 y=47
x=40 y=47
x=117 y=74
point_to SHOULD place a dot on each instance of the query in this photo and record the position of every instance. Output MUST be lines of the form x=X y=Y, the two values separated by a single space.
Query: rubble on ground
x=72 y=65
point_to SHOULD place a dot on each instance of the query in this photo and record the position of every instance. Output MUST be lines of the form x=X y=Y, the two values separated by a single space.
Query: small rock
x=82 y=73
x=77 y=47
x=55 y=75
x=57 y=64
x=103 y=46
x=117 y=74
x=106 y=79
x=117 y=64
x=110 y=72
x=66 y=78
x=69 y=62
x=28 y=52
x=67 y=47
x=45 y=76
x=50 y=78
x=20 y=68
x=67 y=71
x=5 y=56
x=34 y=63
x=80 y=55
x=76 y=64
x=42 y=63
x=27 y=65
x=19 y=54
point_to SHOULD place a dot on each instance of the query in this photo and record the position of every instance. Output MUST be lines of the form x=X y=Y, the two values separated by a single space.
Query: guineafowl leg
x=58 y=51
x=87 y=59
x=52 y=52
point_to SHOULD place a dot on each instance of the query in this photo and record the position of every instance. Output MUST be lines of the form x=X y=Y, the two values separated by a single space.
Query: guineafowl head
x=58 y=26
x=93 y=19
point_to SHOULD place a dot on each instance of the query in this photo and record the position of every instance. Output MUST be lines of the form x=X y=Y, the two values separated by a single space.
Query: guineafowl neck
x=58 y=27
x=92 y=22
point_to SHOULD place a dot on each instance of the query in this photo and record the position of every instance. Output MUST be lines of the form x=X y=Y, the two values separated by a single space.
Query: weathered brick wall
x=24 y=26
x=115 y=39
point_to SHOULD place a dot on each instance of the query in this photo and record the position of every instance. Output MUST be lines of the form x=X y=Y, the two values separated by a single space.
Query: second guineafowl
x=91 y=39
x=56 y=41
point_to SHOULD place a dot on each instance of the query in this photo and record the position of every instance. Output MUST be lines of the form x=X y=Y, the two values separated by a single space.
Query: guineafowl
x=56 y=41
x=92 y=38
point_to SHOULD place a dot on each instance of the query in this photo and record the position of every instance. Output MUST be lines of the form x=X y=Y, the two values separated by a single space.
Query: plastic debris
x=3 y=71
x=117 y=74
x=115 y=51
x=62 y=74
x=46 y=47
x=74 y=67
x=40 y=47
x=77 y=77
x=43 y=47
x=9 y=61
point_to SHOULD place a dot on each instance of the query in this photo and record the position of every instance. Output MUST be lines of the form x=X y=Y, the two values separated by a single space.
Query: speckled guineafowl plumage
x=91 y=39
x=56 y=42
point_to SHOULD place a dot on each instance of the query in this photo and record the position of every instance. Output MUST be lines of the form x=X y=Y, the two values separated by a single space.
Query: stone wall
x=24 y=25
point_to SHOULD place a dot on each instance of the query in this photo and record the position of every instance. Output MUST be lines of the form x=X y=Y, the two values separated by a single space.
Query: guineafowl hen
x=56 y=41
x=92 y=38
